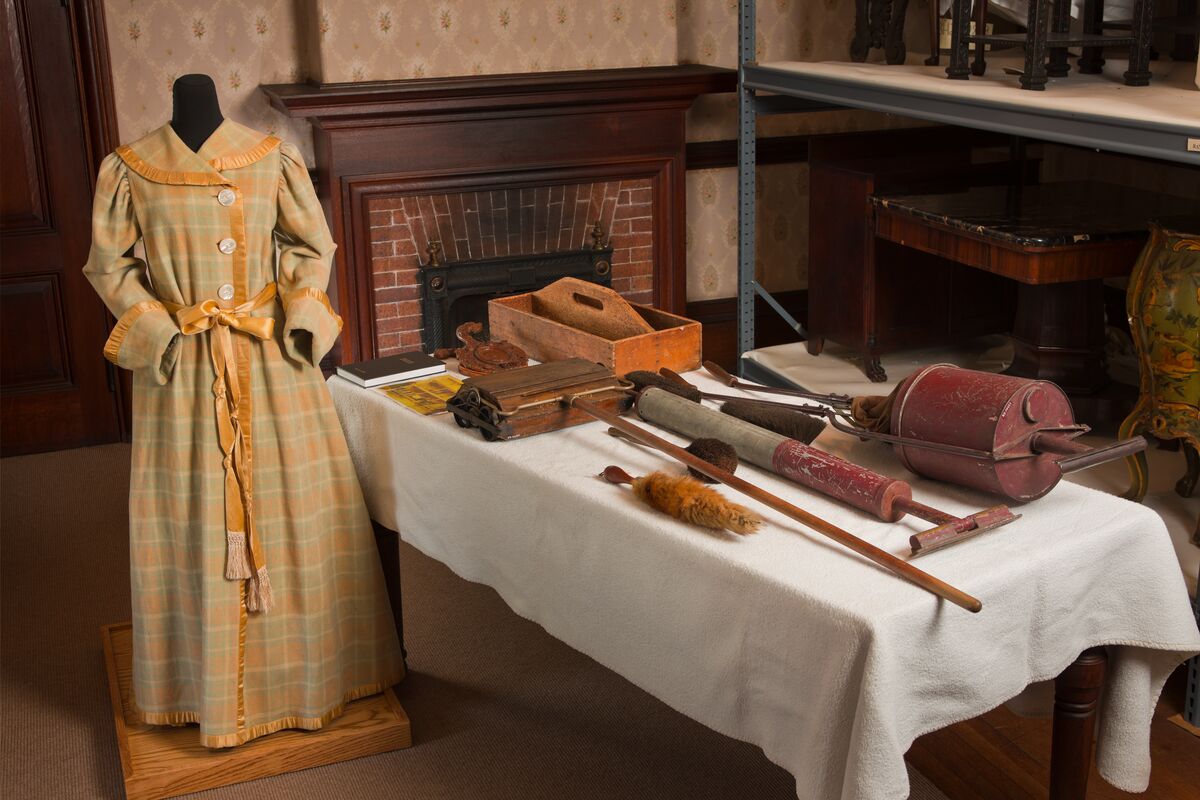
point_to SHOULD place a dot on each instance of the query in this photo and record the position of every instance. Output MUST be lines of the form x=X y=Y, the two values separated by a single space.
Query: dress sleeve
x=146 y=336
x=305 y=257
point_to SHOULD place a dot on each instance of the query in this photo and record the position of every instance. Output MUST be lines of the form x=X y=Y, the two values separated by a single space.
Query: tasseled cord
x=238 y=568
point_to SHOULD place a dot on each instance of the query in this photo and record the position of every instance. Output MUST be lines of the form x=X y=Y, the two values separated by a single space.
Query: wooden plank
x=164 y=761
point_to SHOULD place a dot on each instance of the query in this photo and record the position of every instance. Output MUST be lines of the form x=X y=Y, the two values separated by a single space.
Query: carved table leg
x=1060 y=23
x=1138 y=73
x=979 y=64
x=1037 y=28
x=960 y=24
x=1076 y=696
x=935 y=36
x=893 y=41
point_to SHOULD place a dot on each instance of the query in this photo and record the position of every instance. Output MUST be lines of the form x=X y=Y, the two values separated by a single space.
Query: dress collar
x=162 y=157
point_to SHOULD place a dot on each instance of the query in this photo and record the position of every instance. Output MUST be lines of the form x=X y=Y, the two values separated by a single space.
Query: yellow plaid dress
x=258 y=599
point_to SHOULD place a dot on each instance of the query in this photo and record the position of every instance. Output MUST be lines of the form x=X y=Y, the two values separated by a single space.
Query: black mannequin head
x=195 y=111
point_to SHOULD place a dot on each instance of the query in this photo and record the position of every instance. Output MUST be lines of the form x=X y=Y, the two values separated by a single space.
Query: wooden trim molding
x=394 y=138
x=770 y=149
x=90 y=34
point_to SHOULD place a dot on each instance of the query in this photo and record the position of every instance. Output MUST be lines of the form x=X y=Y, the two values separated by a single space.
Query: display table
x=785 y=639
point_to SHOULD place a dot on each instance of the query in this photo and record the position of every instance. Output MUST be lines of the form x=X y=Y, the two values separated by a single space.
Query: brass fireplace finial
x=597 y=236
x=434 y=251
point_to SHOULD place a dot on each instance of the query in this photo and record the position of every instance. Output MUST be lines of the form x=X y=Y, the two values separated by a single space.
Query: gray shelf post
x=747 y=136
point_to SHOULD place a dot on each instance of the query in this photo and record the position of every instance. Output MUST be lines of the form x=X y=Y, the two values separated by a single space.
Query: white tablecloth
x=785 y=639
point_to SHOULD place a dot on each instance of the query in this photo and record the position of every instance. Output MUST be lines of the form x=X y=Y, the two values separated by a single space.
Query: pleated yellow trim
x=183 y=178
x=112 y=347
x=246 y=734
x=315 y=294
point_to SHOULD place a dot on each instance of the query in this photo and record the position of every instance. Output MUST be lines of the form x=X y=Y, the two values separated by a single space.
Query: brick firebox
x=488 y=224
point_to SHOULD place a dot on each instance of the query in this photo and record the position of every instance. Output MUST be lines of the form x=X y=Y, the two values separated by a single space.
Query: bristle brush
x=642 y=379
x=782 y=418
x=688 y=500
x=714 y=451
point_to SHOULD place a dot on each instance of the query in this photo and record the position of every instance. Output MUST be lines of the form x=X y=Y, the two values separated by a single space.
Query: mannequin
x=195 y=111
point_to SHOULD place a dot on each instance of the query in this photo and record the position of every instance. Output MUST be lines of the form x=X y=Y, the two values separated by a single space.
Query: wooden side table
x=1058 y=241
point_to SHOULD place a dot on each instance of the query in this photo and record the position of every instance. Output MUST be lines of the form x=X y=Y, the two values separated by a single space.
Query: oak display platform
x=161 y=761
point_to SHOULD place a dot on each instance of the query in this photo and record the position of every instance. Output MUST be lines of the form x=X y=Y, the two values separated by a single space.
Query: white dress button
x=226 y=197
x=227 y=246
x=225 y=292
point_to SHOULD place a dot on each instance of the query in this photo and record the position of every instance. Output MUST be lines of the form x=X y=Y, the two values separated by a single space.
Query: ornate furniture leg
x=1092 y=60
x=1139 y=470
x=893 y=42
x=1034 y=76
x=860 y=45
x=960 y=24
x=935 y=36
x=1076 y=696
x=1060 y=23
x=979 y=64
x=1138 y=73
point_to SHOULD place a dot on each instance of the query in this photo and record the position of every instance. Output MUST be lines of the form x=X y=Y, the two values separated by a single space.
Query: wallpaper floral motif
x=782 y=230
x=363 y=40
x=240 y=43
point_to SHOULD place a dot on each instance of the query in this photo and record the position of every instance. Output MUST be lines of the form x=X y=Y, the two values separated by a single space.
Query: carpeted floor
x=499 y=708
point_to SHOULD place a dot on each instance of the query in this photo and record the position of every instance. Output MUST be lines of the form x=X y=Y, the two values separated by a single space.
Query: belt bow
x=244 y=558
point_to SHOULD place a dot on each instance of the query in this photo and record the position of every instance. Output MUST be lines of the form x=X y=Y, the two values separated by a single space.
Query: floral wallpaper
x=244 y=43
x=240 y=43
x=363 y=40
x=782 y=230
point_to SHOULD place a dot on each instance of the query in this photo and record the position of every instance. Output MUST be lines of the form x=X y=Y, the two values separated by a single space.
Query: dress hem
x=178 y=718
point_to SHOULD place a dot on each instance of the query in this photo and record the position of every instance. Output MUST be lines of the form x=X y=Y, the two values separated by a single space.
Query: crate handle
x=584 y=299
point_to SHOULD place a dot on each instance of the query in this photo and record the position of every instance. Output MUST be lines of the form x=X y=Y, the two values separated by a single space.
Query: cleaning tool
x=687 y=499
x=714 y=451
x=1011 y=436
x=887 y=498
x=891 y=563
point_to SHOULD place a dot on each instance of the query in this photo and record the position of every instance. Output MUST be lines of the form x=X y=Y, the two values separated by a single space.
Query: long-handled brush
x=688 y=500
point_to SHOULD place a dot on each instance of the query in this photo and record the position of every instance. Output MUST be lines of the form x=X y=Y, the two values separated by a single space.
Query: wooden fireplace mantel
x=392 y=138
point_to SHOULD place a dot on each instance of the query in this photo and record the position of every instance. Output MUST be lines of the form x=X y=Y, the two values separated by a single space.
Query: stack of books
x=391 y=369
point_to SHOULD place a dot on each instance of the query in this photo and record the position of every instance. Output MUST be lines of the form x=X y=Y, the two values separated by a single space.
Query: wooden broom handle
x=891 y=563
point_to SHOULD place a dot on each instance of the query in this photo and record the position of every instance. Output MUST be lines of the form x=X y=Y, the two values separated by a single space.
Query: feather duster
x=688 y=500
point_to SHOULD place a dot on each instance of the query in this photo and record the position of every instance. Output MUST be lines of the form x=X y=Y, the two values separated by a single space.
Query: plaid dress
x=258 y=598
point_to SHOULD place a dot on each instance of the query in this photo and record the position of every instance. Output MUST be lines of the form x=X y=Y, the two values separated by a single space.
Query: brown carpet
x=500 y=709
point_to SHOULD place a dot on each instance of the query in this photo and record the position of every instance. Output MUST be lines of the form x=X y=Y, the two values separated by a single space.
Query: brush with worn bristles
x=714 y=451
x=687 y=499
x=642 y=379
x=782 y=418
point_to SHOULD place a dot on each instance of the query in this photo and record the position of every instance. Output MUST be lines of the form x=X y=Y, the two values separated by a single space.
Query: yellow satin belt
x=244 y=557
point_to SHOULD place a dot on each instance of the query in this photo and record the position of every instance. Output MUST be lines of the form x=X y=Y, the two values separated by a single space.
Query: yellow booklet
x=425 y=397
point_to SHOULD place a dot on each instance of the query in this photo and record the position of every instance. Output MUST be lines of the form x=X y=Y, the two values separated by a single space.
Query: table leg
x=960 y=24
x=1060 y=23
x=1138 y=73
x=1037 y=28
x=1076 y=696
x=1058 y=335
x=979 y=64
x=387 y=541
x=1091 y=62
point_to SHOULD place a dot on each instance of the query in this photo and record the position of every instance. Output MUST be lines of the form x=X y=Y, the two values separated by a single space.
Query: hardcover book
x=391 y=369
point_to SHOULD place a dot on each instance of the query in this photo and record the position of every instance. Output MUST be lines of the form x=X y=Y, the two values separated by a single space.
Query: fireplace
x=499 y=241
x=491 y=167
x=454 y=293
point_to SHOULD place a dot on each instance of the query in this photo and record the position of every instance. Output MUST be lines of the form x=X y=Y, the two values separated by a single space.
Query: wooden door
x=56 y=389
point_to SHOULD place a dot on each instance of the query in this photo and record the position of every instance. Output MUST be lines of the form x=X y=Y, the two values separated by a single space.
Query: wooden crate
x=164 y=761
x=675 y=342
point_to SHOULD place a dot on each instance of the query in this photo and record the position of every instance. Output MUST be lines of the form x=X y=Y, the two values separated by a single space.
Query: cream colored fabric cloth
x=785 y=639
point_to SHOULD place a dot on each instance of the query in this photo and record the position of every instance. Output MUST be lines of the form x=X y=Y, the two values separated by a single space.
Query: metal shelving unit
x=792 y=91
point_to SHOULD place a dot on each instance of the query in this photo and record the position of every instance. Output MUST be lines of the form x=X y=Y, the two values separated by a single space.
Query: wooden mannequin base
x=163 y=761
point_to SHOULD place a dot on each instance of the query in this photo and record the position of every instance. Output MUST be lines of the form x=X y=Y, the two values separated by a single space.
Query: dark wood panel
x=768 y=149
x=58 y=391
x=31 y=314
x=23 y=199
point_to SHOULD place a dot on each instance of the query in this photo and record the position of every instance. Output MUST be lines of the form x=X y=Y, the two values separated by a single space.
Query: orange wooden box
x=675 y=342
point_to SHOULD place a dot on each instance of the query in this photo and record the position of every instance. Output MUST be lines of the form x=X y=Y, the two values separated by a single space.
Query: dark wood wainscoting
x=389 y=138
